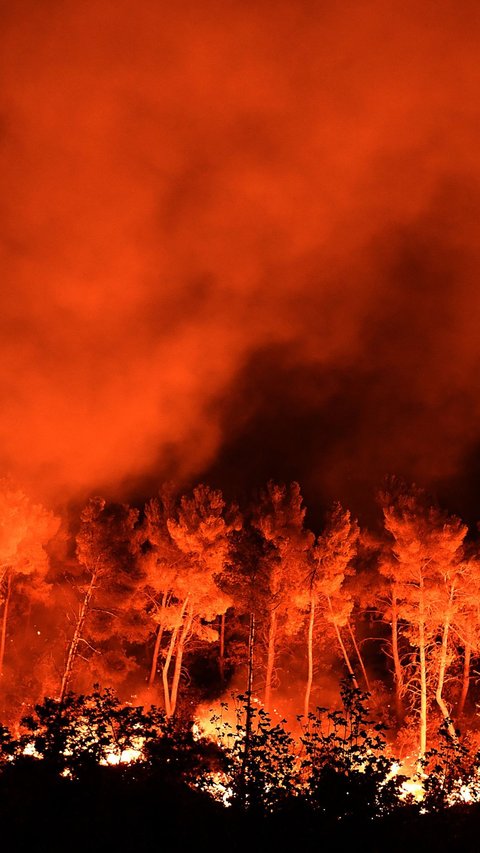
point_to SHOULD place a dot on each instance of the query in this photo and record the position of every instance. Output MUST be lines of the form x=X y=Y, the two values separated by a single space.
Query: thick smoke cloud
x=239 y=240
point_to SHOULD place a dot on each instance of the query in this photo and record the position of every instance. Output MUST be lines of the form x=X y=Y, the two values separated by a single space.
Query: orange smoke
x=190 y=188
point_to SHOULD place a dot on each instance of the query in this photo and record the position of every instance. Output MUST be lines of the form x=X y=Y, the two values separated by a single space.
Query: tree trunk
x=272 y=634
x=168 y=659
x=359 y=656
x=6 y=604
x=248 y=713
x=77 y=636
x=311 y=623
x=467 y=655
x=423 y=673
x=397 y=666
x=342 y=645
x=221 y=659
x=187 y=624
x=158 y=643
x=443 y=667
x=165 y=668
x=156 y=651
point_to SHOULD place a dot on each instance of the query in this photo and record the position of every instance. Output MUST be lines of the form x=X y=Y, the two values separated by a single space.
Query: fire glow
x=220 y=784
x=189 y=577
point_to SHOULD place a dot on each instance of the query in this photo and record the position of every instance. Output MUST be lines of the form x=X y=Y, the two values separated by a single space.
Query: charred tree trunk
x=6 y=605
x=77 y=636
x=311 y=623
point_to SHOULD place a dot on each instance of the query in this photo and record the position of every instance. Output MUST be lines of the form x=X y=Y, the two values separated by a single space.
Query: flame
x=114 y=754
x=125 y=756
x=30 y=749
x=217 y=784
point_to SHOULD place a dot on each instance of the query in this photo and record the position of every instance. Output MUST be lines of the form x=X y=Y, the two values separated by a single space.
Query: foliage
x=84 y=732
x=339 y=771
x=450 y=772
x=263 y=767
x=346 y=765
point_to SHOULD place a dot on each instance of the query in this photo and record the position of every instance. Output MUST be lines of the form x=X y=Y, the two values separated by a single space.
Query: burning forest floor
x=92 y=773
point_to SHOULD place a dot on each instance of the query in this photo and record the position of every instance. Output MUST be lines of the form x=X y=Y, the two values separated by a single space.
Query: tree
x=106 y=546
x=279 y=516
x=464 y=613
x=389 y=601
x=161 y=562
x=347 y=762
x=246 y=579
x=201 y=531
x=186 y=545
x=331 y=560
x=426 y=549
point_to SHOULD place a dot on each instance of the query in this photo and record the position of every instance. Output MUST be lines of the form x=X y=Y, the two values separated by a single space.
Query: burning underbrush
x=338 y=766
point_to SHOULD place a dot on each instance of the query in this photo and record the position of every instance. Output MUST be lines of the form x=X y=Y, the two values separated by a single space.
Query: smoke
x=239 y=238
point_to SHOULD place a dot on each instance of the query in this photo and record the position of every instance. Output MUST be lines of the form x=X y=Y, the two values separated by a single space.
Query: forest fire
x=359 y=751
x=239 y=291
x=142 y=594
x=189 y=579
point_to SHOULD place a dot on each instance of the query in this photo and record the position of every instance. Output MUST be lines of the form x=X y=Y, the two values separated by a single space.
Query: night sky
x=240 y=240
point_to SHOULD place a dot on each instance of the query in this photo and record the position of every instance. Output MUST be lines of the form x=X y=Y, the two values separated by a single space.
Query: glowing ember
x=218 y=786
x=29 y=749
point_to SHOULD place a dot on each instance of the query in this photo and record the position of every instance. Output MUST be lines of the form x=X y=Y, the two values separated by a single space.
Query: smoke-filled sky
x=240 y=240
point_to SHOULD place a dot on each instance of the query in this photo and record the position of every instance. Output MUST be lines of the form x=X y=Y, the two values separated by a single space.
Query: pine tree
x=426 y=551
x=279 y=516
x=106 y=548
x=325 y=590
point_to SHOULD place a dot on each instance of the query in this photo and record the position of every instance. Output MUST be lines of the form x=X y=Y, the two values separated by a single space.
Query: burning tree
x=467 y=622
x=279 y=516
x=162 y=563
x=426 y=571
x=106 y=552
x=382 y=595
x=324 y=588
x=188 y=548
